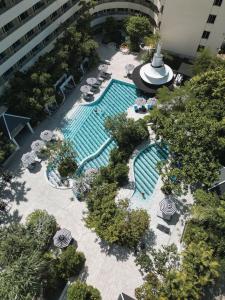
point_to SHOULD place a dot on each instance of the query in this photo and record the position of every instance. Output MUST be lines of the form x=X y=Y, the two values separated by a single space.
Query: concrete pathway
x=111 y=271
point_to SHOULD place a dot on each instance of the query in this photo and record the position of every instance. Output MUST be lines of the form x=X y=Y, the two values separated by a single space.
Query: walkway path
x=111 y=273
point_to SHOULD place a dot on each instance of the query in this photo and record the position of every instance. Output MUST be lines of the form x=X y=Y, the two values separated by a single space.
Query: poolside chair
x=163 y=228
x=106 y=62
x=100 y=79
x=94 y=89
x=148 y=106
x=136 y=108
x=105 y=76
x=87 y=97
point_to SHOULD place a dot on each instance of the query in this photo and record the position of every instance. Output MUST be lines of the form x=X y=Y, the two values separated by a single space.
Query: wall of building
x=22 y=43
x=183 y=23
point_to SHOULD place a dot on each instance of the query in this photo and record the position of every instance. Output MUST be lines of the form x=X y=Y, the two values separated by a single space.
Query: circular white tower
x=156 y=73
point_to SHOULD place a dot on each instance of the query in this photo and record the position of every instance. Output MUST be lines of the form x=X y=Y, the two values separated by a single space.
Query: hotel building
x=28 y=28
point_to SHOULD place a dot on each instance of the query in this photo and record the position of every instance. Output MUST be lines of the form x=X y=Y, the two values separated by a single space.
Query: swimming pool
x=145 y=170
x=85 y=128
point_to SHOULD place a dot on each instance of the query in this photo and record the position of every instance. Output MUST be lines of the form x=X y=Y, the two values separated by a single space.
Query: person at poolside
x=143 y=195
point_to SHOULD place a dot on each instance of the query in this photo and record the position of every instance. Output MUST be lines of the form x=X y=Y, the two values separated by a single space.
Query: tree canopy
x=191 y=122
x=137 y=28
x=81 y=291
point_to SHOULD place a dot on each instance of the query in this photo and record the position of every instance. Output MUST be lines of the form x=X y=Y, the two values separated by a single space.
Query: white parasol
x=140 y=101
x=85 y=89
x=37 y=145
x=46 y=135
x=103 y=68
x=92 y=80
x=28 y=158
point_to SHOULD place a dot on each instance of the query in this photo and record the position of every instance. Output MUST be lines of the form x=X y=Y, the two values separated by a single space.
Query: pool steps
x=145 y=168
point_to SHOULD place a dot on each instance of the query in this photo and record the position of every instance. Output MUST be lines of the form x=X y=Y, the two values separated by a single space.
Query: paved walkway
x=111 y=271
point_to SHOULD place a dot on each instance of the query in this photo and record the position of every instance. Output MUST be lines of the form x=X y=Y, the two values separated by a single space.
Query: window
x=7 y=74
x=65 y=6
x=16 y=45
x=29 y=34
x=23 y=16
x=38 y=5
x=42 y=24
x=8 y=26
x=211 y=19
x=2 y=4
x=218 y=2
x=205 y=34
x=200 y=48
x=54 y=15
x=22 y=60
x=2 y=56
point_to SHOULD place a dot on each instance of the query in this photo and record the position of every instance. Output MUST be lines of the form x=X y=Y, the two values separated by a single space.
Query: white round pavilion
x=156 y=73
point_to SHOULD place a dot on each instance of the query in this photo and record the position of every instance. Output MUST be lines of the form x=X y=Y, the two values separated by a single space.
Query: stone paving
x=112 y=271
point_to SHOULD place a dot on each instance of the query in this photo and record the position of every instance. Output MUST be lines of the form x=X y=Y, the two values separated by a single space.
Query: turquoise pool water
x=145 y=170
x=85 y=129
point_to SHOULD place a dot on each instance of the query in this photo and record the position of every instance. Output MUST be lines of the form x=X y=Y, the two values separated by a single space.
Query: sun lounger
x=100 y=79
x=163 y=228
x=136 y=108
x=87 y=97
x=148 y=106
x=163 y=216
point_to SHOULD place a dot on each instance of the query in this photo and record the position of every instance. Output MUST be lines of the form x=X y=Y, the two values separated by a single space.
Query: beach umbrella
x=85 y=89
x=152 y=101
x=129 y=68
x=62 y=238
x=90 y=174
x=167 y=207
x=46 y=135
x=28 y=158
x=91 y=171
x=103 y=68
x=140 y=101
x=37 y=145
x=92 y=81
x=80 y=187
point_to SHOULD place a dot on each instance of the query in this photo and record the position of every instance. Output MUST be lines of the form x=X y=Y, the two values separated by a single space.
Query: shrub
x=67 y=167
x=81 y=291
x=118 y=156
x=120 y=174
x=43 y=226
x=70 y=262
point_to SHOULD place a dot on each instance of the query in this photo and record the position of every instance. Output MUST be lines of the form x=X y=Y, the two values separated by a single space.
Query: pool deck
x=113 y=270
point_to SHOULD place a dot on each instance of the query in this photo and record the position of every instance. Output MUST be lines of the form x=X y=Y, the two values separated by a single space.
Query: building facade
x=28 y=28
x=189 y=25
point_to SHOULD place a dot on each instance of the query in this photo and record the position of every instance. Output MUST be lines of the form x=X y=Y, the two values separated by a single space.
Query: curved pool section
x=145 y=170
x=85 y=128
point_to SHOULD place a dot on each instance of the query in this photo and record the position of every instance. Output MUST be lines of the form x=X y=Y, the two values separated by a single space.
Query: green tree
x=42 y=226
x=150 y=289
x=83 y=22
x=205 y=61
x=127 y=133
x=137 y=28
x=22 y=279
x=14 y=241
x=6 y=147
x=191 y=122
x=81 y=291
x=62 y=156
x=110 y=25
x=70 y=262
